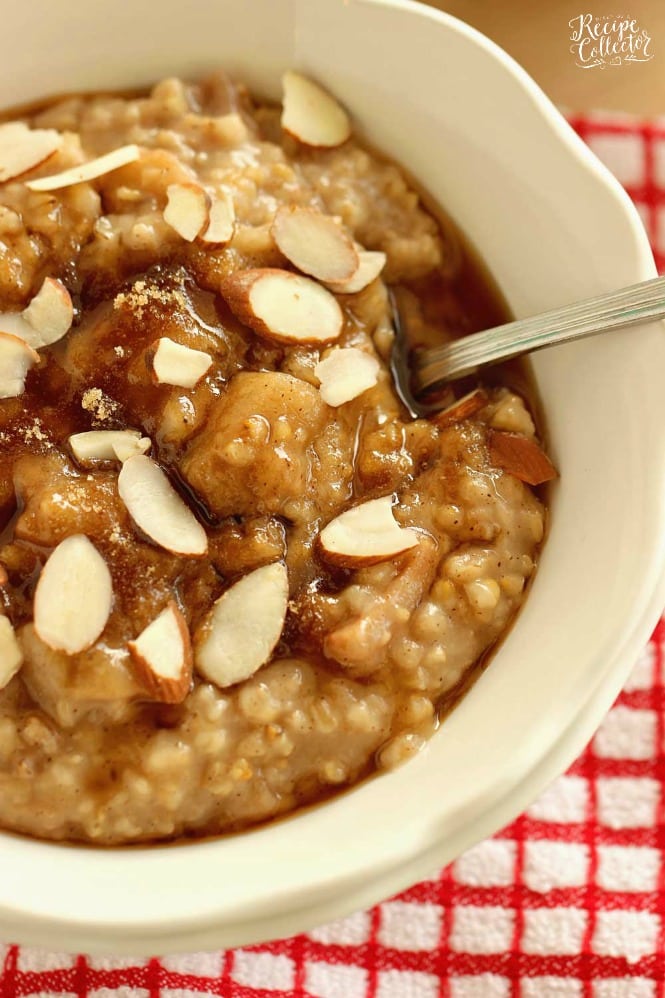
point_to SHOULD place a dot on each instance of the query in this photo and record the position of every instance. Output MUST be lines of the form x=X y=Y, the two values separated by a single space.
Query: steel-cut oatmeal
x=235 y=576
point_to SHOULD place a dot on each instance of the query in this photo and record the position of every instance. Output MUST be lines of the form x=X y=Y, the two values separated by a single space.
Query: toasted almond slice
x=365 y=535
x=73 y=596
x=50 y=313
x=175 y=364
x=462 y=408
x=87 y=171
x=4 y=578
x=346 y=373
x=311 y=115
x=187 y=210
x=315 y=243
x=23 y=149
x=520 y=457
x=158 y=510
x=130 y=447
x=16 y=359
x=283 y=306
x=222 y=221
x=45 y=320
x=370 y=265
x=239 y=634
x=15 y=324
x=11 y=656
x=162 y=656
x=100 y=445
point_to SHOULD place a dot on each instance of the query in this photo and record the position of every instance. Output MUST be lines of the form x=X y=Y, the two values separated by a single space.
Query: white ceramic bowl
x=553 y=226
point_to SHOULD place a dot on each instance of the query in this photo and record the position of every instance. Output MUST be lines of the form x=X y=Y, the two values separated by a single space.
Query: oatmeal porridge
x=235 y=576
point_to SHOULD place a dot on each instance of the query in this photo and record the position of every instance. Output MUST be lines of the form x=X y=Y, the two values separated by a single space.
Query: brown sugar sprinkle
x=35 y=432
x=143 y=294
x=100 y=405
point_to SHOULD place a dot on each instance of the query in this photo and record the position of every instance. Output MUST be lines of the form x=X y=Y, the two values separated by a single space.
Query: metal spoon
x=416 y=372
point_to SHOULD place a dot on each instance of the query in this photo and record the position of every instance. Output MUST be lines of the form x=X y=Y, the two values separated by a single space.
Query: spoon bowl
x=427 y=369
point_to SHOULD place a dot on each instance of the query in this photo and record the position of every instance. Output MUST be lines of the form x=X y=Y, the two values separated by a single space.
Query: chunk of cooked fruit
x=237 y=548
x=68 y=687
x=58 y=502
x=252 y=456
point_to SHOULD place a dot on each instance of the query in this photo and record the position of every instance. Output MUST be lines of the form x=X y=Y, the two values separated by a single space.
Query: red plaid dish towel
x=567 y=902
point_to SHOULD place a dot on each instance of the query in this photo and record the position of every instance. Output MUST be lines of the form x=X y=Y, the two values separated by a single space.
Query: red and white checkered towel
x=568 y=902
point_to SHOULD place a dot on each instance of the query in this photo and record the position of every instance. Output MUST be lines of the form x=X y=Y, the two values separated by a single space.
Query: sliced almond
x=23 y=149
x=239 y=634
x=462 y=408
x=370 y=265
x=345 y=374
x=129 y=447
x=186 y=210
x=46 y=319
x=365 y=535
x=158 y=510
x=104 y=445
x=162 y=656
x=50 y=313
x=4 y=578
x=87 y=171
x=222 y=223
x=315 y=244
x=311 y=115
x=520 y=457
x=16 y=359
x=283 y=306
x=73 y=597
x=175 y=364
x=11 y=656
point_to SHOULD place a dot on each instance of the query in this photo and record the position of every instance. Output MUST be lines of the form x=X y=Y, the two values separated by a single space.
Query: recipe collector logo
x=608 y=41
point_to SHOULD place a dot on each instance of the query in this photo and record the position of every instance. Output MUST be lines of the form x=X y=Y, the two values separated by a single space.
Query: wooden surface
x=537 y=34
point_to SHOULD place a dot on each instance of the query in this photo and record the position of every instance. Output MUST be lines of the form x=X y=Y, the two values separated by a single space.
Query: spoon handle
x=627 y=307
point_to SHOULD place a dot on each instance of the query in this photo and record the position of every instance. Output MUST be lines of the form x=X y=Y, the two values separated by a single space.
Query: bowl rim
x=556 y=753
